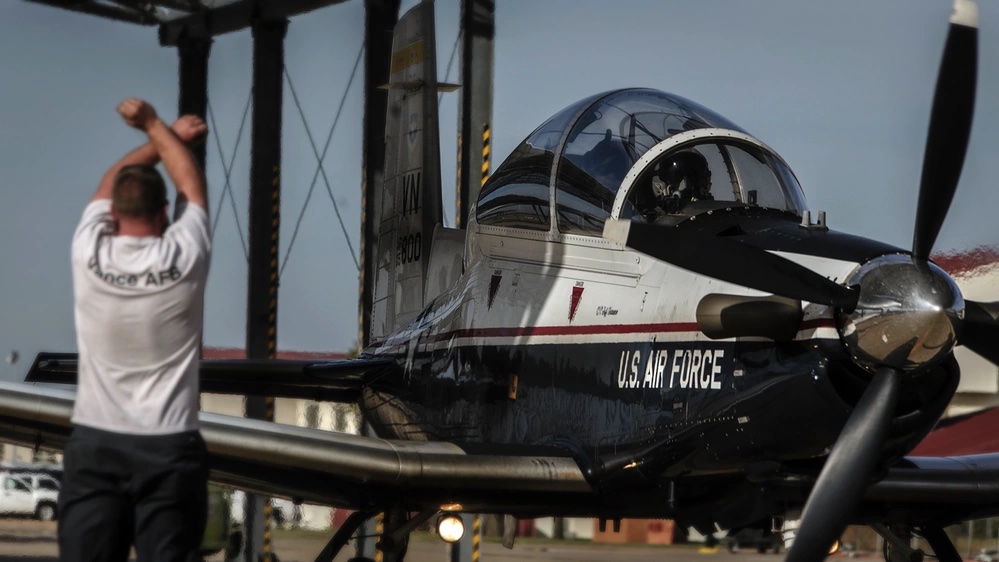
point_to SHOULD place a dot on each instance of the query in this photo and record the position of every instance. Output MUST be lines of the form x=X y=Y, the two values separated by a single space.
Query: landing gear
x=343 y=535
x=393 y=541
x=898 y=547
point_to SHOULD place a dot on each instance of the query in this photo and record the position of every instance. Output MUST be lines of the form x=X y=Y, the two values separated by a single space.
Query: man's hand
x=137 y=113
x=190 y=129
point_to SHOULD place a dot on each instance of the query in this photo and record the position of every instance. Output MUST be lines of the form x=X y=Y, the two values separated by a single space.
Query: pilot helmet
x=686 y=174
x=679 y=178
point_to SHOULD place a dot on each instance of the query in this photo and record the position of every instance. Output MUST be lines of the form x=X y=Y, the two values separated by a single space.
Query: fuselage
x=555 y=335
x=595 y=348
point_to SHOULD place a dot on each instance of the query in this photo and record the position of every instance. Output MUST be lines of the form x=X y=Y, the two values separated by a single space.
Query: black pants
x=118 y=489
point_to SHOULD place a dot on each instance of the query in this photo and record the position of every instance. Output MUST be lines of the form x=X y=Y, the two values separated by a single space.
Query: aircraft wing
x=937 y=490
x=360 y=472
x=324 y=467
x=330 y=381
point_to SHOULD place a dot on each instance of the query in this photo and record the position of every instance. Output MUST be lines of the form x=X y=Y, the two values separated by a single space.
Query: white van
x=29 y=494
x=282 y=510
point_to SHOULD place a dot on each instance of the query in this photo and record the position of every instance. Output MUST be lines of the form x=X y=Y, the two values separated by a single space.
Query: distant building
x=976 y=272
x=290 y=411
x=970 y=434
x=572 y=528
x=640 y=531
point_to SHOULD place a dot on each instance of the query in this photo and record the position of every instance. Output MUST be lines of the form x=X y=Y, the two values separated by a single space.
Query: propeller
x=981 y=329
x=731 y=261
x=848 y=471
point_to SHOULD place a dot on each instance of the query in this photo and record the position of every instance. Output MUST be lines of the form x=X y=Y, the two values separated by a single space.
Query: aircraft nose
x=908 y=314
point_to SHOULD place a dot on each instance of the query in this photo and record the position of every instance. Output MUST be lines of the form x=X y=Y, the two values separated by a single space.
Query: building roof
x=236 y=353
x=969 y=263
x=970 y=434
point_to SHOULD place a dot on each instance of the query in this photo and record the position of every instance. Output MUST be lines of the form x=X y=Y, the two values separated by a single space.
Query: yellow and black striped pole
x=264 y=230
x=362 y=312
x=478 y=29
x=379 y=529
x=266 y=550
x=467 y=549
x=476 y=536
x=486 y=154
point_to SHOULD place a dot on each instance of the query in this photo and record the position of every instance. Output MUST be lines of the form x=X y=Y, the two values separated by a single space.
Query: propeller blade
x=950 y=126
x=847 y=471
x=731 y=261
x=980 y=332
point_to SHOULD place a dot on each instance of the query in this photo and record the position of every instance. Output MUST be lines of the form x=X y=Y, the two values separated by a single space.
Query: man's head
x=139 y=196
x=680 y=178
x=687 y=172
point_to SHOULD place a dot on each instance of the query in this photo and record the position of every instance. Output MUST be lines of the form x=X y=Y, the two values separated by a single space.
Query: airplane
x=641 y=319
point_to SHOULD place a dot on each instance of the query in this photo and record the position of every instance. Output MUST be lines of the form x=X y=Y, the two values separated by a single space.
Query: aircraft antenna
x=450 y=64
x=319 y=159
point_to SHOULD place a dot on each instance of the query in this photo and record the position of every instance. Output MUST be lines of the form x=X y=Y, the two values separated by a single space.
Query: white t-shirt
x=139 y=304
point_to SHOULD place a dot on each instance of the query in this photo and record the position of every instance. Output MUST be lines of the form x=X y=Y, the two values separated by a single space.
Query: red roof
x=959 y=263
x=235 y=353
x=970 y=434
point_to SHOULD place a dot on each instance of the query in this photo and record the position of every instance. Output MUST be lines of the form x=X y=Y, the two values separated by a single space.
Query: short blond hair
x=138 y=192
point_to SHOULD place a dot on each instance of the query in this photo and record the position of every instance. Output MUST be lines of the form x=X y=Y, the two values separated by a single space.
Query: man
x=135 y=463
x=683 y=178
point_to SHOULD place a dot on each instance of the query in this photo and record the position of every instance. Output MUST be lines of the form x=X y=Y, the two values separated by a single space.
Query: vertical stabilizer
x=409 y=203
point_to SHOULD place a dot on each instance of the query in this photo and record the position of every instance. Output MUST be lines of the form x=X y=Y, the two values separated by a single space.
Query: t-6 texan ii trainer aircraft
x=641 y=319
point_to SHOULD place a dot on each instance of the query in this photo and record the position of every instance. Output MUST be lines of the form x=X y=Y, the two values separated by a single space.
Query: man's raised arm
x=180 y=164
x=189 y=128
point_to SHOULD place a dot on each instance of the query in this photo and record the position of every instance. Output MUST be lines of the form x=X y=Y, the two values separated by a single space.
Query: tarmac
x=26 y=540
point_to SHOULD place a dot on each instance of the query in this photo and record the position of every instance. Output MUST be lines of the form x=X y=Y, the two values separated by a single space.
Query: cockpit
x=583 y=160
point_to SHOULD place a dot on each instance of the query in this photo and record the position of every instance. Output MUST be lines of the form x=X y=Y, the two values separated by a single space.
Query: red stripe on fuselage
x=595 y=329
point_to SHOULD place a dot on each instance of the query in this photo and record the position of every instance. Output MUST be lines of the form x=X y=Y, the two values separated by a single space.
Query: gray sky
x=842 y=90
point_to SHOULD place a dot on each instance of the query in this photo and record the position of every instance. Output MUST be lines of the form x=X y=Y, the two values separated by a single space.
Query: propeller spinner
x=907 y=316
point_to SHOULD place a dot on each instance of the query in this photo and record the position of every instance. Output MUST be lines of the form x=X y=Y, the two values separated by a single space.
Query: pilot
x=681 y=178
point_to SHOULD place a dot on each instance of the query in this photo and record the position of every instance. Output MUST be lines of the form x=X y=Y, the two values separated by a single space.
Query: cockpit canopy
x=586 y=151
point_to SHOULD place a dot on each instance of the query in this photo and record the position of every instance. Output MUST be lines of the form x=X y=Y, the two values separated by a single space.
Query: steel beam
x=475 y=114
x=380 y=17
x=193 y=75
x=379 y=23
x=108 y=11
x=234 y=17
x=179 y=5
x=265 y=222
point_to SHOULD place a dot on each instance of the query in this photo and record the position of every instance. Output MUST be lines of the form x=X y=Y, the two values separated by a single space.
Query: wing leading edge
x=331 y=381
x=360 y=472
x=320 y=466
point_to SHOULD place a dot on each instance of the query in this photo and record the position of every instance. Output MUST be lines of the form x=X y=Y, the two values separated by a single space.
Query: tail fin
x=408 y=206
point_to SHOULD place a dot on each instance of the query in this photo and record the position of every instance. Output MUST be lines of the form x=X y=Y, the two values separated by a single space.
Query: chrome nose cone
x=907 y=316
